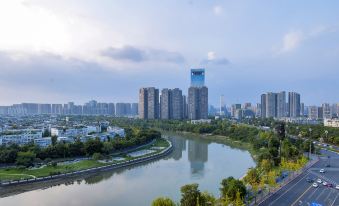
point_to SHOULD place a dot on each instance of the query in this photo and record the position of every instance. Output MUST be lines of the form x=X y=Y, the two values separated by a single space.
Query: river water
x=193 y=160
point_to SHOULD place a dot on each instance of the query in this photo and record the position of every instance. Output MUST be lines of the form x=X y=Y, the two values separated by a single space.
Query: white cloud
x=292 y=40
x=211 y=55
x=217 y=10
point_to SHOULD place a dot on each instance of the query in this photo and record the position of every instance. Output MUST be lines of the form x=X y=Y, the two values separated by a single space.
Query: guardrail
x=127 y=163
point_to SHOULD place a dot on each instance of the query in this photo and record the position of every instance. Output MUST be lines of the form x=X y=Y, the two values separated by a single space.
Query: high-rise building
x=281 y=104
x=302 y=109
x=134 y=109
x=149 y=103
x=111 y=109
x=166 y=104
x=197 y=95
x=313 y=112
x=326 y=108
x=263 y=106
x=234 y=109
x=271 y=104
x=177 y=104
x=197 y=77
x=294 y=104
x=198 y=103
x=247 y=105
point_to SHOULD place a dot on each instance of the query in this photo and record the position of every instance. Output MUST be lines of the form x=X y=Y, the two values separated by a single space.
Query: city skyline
x=245 y=49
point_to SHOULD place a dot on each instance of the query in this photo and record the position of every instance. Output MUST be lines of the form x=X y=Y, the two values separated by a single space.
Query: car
x=315 y=185
x=337 y=187
x=329 y=185
x=325 y=183
x=319 y=181
x=308 y=179
x=322 y=171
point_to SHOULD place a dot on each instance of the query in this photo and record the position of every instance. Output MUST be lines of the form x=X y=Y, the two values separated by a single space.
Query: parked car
x=322 y=171
x=315 y=185
x=329 y=185
x=308 y=179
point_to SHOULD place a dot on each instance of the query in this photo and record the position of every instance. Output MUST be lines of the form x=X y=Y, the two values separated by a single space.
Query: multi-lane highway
x=301 y=192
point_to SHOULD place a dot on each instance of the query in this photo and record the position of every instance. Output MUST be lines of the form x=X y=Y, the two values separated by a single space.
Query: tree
x=266 y=165
x=230 y=187
x=25 y=158
x=190 y=195
x=239 y=200
x=97 y=156
x=92 y=146
x=163 y=201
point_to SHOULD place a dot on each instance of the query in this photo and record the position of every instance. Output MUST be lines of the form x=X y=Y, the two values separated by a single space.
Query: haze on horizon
x=77 y=50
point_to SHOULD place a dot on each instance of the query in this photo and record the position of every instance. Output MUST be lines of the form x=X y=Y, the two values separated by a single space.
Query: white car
x=322 y=171
x=337 y=187
x=324 y=183
x=315 y=185
x=319 y=181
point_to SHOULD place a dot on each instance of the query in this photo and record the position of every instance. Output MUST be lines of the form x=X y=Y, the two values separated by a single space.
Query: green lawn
x=160 y=143
x=17 y=173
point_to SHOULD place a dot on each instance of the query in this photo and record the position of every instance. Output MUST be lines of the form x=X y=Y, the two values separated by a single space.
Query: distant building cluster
x=172 y=104
x=90 y=108
x=40 y=131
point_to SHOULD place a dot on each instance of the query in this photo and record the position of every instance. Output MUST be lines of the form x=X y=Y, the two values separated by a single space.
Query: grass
x=160 y=143
x=22 y=173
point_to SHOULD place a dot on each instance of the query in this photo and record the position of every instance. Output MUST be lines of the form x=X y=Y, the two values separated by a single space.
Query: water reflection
x=197 y=156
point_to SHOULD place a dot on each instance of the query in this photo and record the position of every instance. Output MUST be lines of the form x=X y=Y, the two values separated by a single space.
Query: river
x=194 y=160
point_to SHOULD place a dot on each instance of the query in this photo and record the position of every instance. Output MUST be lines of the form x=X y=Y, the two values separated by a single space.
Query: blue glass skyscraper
x=197 y=77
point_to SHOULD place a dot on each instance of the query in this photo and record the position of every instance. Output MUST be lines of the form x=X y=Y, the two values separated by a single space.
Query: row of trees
x=29 y=154
x=232 y=191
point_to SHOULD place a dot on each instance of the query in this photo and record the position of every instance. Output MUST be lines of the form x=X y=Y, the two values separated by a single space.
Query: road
x=300 y=192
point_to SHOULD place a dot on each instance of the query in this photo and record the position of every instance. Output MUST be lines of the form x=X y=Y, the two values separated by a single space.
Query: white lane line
x=301 y=195
x=320 y=193
x=287 y=190
x=327 y=199
x=308 y=197
x=334 y=200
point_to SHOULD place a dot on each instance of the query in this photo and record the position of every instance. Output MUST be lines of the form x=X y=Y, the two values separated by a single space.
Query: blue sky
x=77 y=50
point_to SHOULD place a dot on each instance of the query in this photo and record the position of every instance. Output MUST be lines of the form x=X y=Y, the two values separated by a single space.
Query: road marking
x=288 y=189
x=321 y=193
x=327 y=199
x=308 y=197
x=334 y=200
x=302 y=195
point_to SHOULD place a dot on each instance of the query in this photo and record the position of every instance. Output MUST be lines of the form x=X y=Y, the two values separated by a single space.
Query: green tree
x=163 y=201
x=190 y=195
x=25 y=158
x=97 y=156
x=93 y=146
x=230 y=187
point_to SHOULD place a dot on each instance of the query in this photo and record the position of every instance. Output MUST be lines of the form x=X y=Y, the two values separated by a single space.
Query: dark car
x=329 y=185
x=308 y=179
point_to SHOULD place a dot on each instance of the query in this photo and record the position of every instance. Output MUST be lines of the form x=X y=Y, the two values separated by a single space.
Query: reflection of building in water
x=197 y=155
x=179 y=146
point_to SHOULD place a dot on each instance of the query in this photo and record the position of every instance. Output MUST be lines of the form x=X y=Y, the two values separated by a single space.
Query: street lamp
x=326 y=132
x=309 y=153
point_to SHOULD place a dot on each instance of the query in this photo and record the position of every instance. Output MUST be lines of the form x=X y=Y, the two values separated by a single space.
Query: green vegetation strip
x=11 y=174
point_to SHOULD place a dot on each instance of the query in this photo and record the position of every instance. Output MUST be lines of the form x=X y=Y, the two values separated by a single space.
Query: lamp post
x=309 y=153
x=326 y=133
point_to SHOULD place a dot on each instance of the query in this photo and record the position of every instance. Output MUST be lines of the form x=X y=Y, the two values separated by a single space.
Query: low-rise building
x=331 y=122
x=19 y=137
x=43 y=142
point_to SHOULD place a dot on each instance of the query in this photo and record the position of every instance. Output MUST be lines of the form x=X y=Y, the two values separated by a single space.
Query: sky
x=77 y=50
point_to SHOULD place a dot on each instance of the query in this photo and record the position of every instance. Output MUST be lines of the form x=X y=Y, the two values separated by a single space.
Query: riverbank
x=13 y=176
